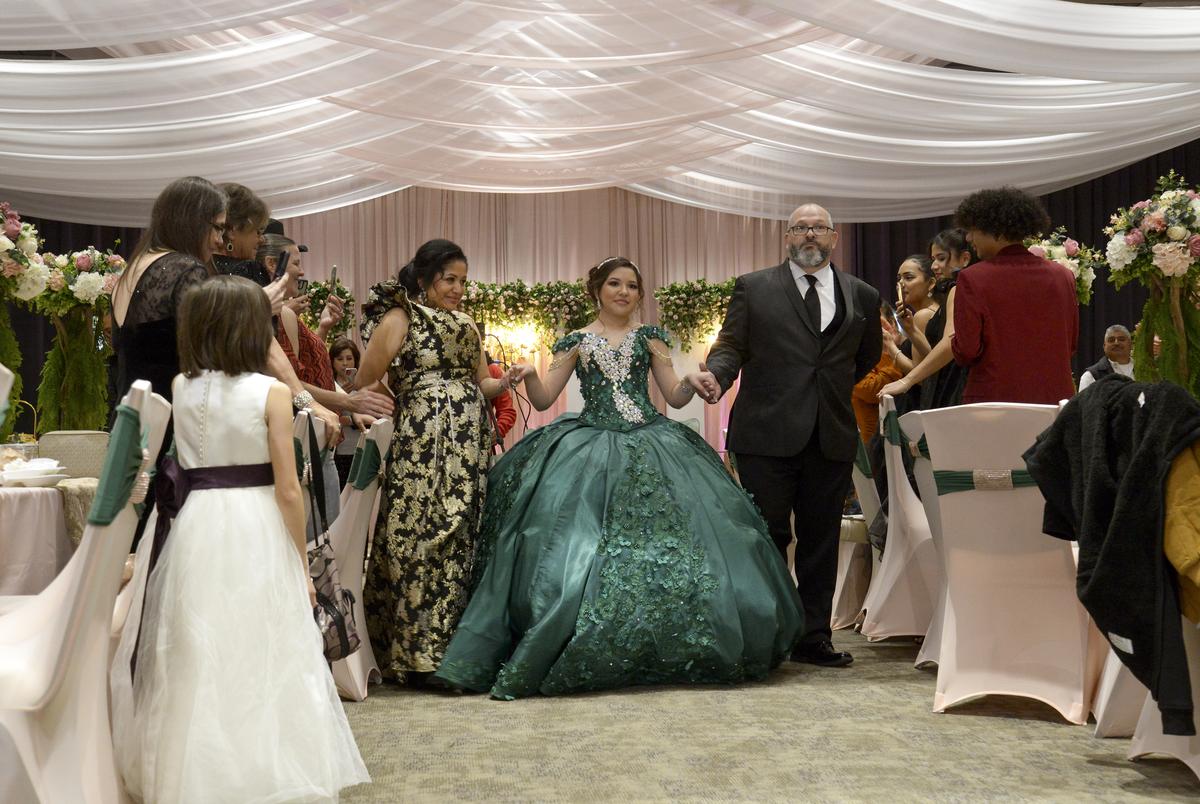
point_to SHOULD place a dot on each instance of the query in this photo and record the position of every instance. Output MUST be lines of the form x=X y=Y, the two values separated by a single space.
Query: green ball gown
x=616 y=550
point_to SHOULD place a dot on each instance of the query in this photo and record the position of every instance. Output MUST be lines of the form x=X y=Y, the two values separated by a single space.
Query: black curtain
x=877 y=249
x=34 y=332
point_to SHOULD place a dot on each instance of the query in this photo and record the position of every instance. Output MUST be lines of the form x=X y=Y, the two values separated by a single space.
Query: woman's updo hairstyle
x=599 y=273
x=955 y=242
x=428 y=264
x=924 y=264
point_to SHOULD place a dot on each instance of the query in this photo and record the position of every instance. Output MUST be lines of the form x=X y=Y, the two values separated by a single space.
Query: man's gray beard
x=809 y=258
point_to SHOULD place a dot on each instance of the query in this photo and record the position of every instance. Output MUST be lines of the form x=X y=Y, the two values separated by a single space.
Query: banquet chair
x=54 y=646
x=348 y=534
x=901 y=596
x=856 y=559
x=1148 y=737
x=1119 y=698
x=914 y=437
x=1012 y=624
x=6 y=382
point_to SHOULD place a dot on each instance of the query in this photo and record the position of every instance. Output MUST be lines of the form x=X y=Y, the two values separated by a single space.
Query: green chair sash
x=895 y=435
x=365 y=467
x=861 y=460
x=122 y=462
x=950 y=481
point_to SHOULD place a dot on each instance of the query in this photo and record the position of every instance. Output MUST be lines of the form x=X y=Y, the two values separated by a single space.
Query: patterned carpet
x=864 y=733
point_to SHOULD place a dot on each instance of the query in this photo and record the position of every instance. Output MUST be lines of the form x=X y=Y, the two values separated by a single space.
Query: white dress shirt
x=824 y=288
x=1120 y=368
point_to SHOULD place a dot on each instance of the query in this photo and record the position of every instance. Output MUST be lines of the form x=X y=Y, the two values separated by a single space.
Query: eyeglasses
x=799 y=230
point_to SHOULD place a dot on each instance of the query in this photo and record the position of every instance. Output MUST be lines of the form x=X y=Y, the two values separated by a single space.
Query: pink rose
x=1071 y=246
x=83 y=261
x=116 y=262
x=1037 y=251
x=110 y=282
x=1193 y=194
x=1140 y=205
x=1154 y=222
x=1194 y=245
x=1134 y=237
x=10 y=267
x=57 y=281
x=12 y=228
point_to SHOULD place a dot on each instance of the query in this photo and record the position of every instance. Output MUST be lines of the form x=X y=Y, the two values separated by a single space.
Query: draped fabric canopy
x=744 y=106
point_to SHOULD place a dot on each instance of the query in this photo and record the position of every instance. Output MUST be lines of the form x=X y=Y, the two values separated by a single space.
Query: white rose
x=27 y=244
x=1119 y=253
x=5 y=243
x=1070 y=265
x=61 y=261
x=88 y=287
x=1057 y=253
x=32 y=282
x=1195 y=205
x=1089 y=276
x=1177 y=232
x=1170 y=195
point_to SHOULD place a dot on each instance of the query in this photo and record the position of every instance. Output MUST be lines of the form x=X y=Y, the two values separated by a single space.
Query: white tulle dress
x=233 y=700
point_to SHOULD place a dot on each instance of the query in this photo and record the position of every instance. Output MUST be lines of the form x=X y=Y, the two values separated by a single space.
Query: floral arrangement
x=693 y=310
x=318 y=295
x=1081 y=261
x=20 y=269
x=84 y=278
x=1156 y=242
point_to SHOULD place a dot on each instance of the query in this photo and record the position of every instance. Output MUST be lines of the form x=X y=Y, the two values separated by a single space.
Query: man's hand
x=370 y=403
x=706 y=385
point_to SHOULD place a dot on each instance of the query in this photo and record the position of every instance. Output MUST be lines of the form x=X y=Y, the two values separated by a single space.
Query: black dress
x=945 y=388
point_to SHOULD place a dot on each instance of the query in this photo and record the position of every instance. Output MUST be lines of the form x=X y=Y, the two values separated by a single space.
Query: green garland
x=693 y=310
x=553 y=308
x=10 y=358
x=318 y=295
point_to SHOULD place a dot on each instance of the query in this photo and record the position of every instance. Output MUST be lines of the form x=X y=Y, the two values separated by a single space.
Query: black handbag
x=334 y=611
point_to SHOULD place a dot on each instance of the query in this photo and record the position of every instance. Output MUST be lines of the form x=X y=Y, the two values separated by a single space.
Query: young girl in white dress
x=230 y=698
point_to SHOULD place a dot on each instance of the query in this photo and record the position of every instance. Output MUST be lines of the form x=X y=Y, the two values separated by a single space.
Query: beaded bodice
x=613 y=376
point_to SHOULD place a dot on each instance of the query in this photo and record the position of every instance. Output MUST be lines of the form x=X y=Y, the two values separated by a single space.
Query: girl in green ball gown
x=616 y=549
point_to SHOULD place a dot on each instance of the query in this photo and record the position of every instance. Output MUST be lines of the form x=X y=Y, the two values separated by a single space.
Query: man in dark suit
x=801 y=334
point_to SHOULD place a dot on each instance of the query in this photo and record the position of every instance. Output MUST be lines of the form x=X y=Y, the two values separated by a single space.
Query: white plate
x=35 y=482
x=21 y=474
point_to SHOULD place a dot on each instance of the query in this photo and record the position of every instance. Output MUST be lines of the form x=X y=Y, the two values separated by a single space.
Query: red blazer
x=1016 y=324
x=506 y=415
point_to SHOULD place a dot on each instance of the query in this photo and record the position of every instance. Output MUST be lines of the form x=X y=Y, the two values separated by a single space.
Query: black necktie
x=812 y=302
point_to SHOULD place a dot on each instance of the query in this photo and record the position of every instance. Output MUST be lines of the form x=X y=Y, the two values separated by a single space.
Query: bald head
x=810 y=211
x=810 y=237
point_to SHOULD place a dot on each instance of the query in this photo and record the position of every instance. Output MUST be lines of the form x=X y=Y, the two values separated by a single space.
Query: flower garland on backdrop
x=1156 y=242
x=692 y=311
x=1080 y=260
x=318 y=295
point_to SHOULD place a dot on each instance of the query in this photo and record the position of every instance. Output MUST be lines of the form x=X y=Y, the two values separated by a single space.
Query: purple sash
x=173 y=484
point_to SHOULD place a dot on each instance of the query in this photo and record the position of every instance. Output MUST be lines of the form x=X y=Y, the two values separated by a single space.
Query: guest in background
x=865 y=396
x=1016 y=316
x=246 y=220
x=343 y=359
x=502 y=404
x=1118 y=358
x=433 y=493
x=907 y=345
x=950 y=253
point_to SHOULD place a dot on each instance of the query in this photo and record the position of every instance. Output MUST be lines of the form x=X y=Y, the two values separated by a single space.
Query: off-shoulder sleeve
x=655 y=332
x=567 y=342
x=381 y=299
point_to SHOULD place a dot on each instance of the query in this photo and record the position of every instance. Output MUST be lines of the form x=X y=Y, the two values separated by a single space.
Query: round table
x=33 y=539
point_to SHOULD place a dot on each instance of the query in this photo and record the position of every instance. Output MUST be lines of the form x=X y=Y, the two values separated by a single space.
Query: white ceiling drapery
x=748 y=107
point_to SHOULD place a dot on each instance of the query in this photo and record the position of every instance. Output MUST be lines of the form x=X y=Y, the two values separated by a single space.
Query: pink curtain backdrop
x=546 y=237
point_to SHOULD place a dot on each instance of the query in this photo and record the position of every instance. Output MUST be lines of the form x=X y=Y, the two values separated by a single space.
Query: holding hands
x=705 y=384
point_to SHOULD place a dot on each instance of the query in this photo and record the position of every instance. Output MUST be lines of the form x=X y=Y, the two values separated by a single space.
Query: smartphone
x=349 y=373
x=281 y=263
x=896 y=321
x=333 y=275
x=302 y=286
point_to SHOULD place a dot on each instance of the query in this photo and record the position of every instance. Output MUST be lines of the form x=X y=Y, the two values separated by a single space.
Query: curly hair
x=1003 y=212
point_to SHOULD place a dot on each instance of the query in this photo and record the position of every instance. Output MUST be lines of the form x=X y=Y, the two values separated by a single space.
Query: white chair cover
x=853 y=575
x=1012 y=624
x=1119 y=698
x=1148 y=737
x=913 y=431
x=6 y=383
x=900 y=599
x=54 y=650
x=349 y=535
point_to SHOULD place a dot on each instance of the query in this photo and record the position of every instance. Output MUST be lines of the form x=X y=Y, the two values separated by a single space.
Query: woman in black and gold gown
x=431 y=358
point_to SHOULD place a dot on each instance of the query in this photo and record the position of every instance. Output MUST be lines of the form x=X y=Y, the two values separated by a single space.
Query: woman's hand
x=895 y=388
x=904 y=315
x=331 y=314
x=312 y=590
x=517 y=373
x=297 y=304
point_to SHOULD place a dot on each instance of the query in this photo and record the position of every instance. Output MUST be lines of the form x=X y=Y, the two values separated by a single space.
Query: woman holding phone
x=915 y=306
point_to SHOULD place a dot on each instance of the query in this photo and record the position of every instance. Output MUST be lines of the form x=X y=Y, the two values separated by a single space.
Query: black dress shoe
x=822 y=654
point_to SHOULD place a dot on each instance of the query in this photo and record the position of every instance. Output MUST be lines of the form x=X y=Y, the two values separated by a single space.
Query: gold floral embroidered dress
x=417 y=583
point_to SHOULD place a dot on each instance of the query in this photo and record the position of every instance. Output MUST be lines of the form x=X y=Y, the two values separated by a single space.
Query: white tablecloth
x=33 y=539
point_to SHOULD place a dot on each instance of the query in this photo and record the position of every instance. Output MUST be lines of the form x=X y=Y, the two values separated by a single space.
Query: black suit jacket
x=793 y=379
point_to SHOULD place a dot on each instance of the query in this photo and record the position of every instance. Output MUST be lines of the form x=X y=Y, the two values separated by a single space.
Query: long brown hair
x=224 y=325
x=245 y=210
x=181 y=219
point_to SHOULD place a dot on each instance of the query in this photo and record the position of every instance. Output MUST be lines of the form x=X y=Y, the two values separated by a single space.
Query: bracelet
x=303 y=401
